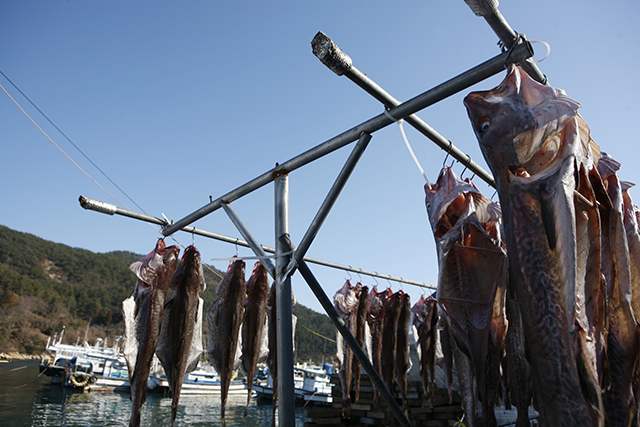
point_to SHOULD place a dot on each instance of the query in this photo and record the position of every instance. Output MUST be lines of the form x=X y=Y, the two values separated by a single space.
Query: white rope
x=406 y=141
x=548 y=50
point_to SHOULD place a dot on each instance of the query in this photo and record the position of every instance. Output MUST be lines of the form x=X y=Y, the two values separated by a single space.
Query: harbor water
x=27 y=399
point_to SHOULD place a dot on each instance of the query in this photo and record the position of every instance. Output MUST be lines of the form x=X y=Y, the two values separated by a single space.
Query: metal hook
x=444 y=162
x=519 y=38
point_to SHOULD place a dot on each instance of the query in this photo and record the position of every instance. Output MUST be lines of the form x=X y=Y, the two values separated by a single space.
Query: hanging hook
x=349 y=273
x=193 y=239
x=463 y=171
x=375 y=279
x=519 y=38
x=444 y=162
x=236 y=248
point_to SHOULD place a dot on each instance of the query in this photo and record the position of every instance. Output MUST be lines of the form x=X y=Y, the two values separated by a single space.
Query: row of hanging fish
x=241 y=323
x=380 y=323
x=552 y=274
x=548 y=280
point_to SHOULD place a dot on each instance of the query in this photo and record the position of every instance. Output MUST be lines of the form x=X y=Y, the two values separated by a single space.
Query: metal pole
x=340 y=63
x=468 y=78
x=348 y=336
x=253 y=243
x=286 y=393
x=111 y=209
x=331 y=198
x=488 y=9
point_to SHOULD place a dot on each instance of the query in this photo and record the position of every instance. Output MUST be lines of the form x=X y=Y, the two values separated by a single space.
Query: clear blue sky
x=177 y=101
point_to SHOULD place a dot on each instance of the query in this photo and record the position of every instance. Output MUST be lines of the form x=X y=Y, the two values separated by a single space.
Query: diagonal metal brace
x=329 y=201
x=347 y=335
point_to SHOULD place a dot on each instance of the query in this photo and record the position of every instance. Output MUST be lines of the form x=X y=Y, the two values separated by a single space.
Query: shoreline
x=14 y=355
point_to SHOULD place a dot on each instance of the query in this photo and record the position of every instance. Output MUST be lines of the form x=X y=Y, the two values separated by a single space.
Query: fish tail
x=174 y=412
x=134 y=421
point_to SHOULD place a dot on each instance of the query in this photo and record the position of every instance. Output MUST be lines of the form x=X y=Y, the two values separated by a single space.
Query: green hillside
x=46 y=285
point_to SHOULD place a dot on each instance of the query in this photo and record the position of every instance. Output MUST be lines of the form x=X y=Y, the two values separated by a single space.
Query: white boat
x=204 y=380
x=89 y=367
x=311 y=384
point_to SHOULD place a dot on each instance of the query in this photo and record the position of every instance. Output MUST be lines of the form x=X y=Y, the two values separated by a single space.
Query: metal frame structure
x=288 y=258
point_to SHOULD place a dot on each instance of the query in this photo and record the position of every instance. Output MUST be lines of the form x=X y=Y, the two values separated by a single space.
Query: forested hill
x=45 y=286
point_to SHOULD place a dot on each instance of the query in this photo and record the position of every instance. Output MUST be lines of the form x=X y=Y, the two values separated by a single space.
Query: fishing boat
x=203 y=380
x=97 y=367
x=311 y=384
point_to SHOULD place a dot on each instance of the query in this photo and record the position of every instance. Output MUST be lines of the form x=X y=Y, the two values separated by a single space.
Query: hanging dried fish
x=142 y=313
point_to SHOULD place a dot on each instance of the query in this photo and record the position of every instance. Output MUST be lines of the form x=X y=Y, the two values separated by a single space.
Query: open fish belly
x=469 y=277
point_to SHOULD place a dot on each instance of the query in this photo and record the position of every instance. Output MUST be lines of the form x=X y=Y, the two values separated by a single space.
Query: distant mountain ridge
x=46 y=285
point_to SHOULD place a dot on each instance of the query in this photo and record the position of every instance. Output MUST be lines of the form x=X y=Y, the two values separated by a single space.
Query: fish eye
x=484 y=124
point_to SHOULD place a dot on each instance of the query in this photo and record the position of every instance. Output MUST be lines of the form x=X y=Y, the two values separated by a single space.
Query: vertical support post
x=286 y=394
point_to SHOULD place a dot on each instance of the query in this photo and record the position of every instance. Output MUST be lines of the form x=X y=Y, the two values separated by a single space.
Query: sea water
x=27 y=399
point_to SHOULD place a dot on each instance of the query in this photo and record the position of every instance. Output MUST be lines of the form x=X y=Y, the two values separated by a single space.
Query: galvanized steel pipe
x=358 y=352
x=332 y=56
x=468 y=78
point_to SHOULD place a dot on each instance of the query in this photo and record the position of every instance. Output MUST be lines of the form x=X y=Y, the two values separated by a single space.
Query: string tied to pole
x=406 y=141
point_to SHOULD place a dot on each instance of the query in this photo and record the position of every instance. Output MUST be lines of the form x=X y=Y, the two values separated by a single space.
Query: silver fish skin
x=180 y=341
x=142 y=313
x=375 y=320
x=254 y=323
x=346 y=301
x=535 y=144
x=623 y=339
x=224 y=319
x=425 y=322
x=472 y=279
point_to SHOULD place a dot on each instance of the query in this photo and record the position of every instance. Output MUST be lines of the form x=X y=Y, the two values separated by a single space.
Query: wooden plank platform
x=439 y=411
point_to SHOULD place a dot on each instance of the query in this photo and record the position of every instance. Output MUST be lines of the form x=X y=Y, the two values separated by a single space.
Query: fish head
x=259 y=270
x=346 y=298
x=377 y=300
x=515 y=123
x=448 y=200
x=158 y=266
x=189 y=272
x=258 y=283
x=232 y=278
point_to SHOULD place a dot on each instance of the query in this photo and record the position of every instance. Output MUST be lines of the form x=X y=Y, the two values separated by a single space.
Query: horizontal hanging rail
x=450 y=87
x=111 y=209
